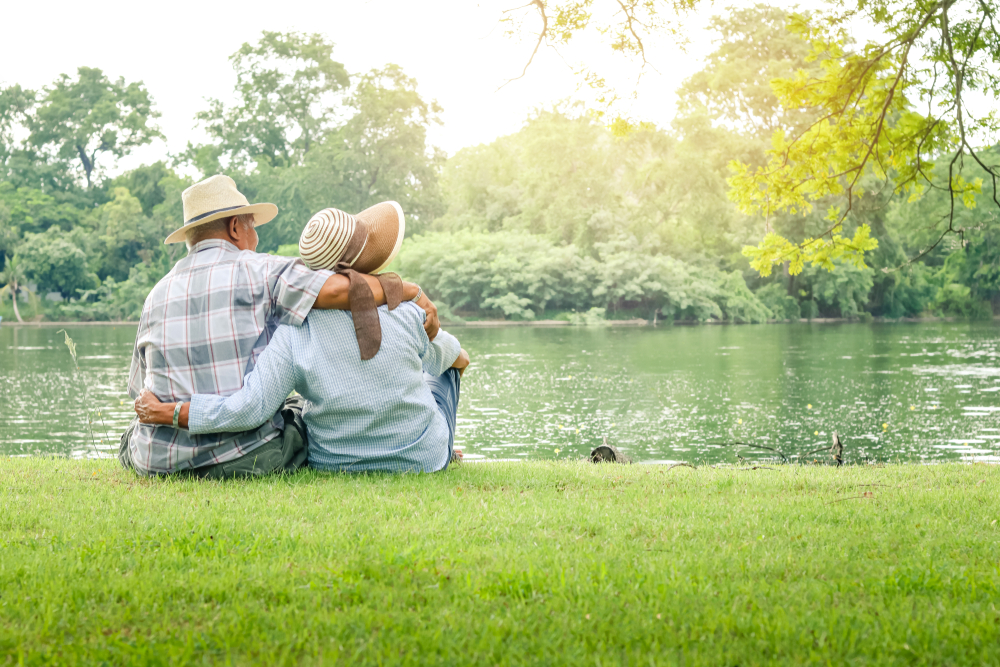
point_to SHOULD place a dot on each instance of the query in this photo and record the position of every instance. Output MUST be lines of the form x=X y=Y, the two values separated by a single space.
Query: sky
x=456 y=50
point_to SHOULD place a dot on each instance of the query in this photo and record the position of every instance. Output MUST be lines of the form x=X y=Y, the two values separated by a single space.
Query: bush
x=955 y=300
x=842 y=292
x=738 y=303
x=514 y=274
x=591 y=318
x=809 y=309
x=511 y=305
x=55 y=262
x=775 y=296
x=506 y=274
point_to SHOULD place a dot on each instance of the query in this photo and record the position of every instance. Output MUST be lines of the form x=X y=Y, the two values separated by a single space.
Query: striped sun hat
x=367 y=242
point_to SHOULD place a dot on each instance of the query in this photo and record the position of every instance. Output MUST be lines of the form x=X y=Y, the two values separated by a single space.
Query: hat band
x=218 y=210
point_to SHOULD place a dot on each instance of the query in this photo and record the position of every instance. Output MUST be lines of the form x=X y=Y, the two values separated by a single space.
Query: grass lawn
x=532 y=563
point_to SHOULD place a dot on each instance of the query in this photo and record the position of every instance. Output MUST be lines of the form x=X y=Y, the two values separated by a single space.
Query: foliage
x=564 y=218
x=80 y=119
x=863 y=105
x=126 y=236
x=502 y=274
x=510 y=306
x=738 y=303
x=118 y=301
x=842 y=292
x=32 y=210
x=594 y=317
x=55 y=261
x=734 y=88
x=566 y=177
x=379 y=154
x=956 y=300
x=12 y=278
x=782 y=305
x=285 y=85
x=866 y=102
x=15 y=102
x=514 y=274
x=152 y=185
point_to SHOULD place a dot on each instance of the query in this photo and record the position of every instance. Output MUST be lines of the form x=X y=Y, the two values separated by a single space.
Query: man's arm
x=264 y=390
x=297 y=290
x=334 y=296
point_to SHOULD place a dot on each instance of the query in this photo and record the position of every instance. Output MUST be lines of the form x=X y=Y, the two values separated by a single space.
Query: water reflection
x=917 y=392
x=45 y=404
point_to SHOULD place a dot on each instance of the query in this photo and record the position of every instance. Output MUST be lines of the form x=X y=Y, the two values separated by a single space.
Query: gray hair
x=214 y=228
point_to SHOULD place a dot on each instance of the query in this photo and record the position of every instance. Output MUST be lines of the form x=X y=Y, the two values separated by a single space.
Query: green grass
x=537 y=563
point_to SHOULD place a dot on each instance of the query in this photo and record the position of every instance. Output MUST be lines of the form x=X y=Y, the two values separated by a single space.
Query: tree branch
x=542 y=34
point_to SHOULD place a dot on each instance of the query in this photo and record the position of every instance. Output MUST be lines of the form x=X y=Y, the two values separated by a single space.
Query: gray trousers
x=286 y=453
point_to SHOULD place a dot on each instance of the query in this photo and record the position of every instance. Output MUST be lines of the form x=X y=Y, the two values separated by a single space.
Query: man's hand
x=151 y=411
x=461 y=362
x=431 y=322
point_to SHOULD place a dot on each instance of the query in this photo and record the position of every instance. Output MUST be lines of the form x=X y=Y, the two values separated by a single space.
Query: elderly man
x=373 y=404
x=205 y=324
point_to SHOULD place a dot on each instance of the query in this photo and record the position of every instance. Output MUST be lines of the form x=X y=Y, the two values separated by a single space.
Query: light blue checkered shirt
x=360 y=415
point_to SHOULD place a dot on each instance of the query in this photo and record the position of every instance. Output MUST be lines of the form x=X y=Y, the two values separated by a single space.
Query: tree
x=867 y=106
x=127 y=236
x=22 y=164
x=560 y=176
x=31 y=210
x=15 y=102
x=382 y=150
x=380 y=153
x=734 y=90
x=282 y=111
x=148 y=184
x=56 y=261
x=12 y=278
x=80 y=119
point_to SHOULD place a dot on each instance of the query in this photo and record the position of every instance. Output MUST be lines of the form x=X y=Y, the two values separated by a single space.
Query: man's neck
x=217 y=237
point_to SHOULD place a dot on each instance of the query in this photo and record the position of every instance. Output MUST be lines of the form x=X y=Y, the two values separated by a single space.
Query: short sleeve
x=294 y=288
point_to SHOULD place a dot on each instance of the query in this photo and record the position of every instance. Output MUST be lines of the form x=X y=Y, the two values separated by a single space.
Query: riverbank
x=564 y=323
x=531 y=563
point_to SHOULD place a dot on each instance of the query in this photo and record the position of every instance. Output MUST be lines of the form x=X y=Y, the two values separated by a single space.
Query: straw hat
x=367 y=242
x=214 y=198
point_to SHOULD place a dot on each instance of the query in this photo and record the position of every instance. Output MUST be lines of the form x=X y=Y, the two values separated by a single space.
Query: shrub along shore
x=530 y=563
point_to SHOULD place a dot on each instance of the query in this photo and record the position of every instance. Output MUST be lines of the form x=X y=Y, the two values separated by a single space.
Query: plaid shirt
x=202 y=328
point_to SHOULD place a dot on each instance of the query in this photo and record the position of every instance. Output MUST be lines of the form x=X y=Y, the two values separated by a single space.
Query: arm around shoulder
x=264 y=390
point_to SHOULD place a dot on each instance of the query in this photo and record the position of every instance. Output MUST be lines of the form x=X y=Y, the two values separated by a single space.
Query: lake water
x=912 y=392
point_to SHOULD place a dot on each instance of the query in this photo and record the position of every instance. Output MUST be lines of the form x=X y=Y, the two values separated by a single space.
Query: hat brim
x=262 y=214
x=400 y=233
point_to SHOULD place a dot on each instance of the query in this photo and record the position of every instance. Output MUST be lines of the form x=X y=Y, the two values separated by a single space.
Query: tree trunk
x=88 y=164
x=17 y=313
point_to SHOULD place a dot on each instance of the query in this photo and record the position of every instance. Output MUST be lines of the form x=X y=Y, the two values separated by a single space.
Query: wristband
x=177 y=413
x=420 y=293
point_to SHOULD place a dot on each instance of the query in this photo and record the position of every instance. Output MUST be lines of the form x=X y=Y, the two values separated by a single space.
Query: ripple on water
x=661 y=395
